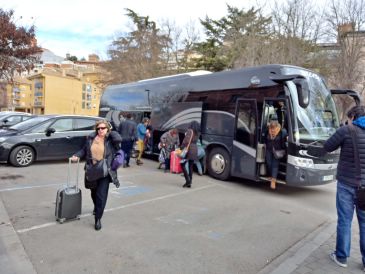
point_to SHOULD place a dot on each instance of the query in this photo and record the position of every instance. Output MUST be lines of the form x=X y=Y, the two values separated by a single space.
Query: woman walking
x=275 y=140
x=190 y=142
x=100 y=146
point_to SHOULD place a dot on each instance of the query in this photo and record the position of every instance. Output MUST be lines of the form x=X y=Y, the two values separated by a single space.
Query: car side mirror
x=49 y=131
x=303 y=92
x=5 y=121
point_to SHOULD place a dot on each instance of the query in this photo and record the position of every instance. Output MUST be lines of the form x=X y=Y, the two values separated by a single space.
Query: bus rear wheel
x=219 y=164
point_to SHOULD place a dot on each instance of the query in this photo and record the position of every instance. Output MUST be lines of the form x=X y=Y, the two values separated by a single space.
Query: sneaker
x=340 y=262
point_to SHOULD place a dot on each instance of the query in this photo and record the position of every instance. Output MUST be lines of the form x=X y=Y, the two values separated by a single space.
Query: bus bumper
x=303 y=176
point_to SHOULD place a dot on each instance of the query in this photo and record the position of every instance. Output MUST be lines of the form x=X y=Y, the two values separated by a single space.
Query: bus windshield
x=319 y=120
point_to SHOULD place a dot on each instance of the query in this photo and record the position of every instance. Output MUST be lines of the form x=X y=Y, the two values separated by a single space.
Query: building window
x=83 y=105
x=83 y=87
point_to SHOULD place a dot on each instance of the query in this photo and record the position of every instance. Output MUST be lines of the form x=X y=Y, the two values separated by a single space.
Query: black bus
x=234 y=108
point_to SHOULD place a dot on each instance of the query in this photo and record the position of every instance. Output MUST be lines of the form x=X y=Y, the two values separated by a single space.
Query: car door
x=58 y=139
x=82 y=127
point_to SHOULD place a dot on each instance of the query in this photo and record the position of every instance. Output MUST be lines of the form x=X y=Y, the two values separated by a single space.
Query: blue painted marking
x=134 y=190
x=215 y=235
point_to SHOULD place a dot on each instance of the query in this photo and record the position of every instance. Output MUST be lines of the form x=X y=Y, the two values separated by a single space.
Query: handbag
x=90 y=184
x=183 y=152
x=94 y=172
x=278 y=153
x=360 y=191
x=118 y=160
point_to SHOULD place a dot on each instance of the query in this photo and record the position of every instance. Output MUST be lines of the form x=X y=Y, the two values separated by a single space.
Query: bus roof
x=144 y=92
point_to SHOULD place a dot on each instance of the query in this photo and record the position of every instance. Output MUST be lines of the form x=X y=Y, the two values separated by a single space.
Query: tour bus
x=234 y=108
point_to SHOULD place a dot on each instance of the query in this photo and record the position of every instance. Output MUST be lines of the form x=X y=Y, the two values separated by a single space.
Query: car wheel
x=219 y=163
x=22 y=156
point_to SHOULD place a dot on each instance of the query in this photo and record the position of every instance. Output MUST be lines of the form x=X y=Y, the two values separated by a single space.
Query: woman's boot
x=97 y=224
x=273 y=183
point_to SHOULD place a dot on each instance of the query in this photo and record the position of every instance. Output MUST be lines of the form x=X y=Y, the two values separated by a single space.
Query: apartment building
x=16 y=97
x=65 y=89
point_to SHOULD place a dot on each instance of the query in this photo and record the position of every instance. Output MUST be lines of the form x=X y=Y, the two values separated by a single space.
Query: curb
x=291 y=259
x=13 y=258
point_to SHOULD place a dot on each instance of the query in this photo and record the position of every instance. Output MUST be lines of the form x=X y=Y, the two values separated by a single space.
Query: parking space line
x=27 y=187
x=60 y=184
x=182 y=192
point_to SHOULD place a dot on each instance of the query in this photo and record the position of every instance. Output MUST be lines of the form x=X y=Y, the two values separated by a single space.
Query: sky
x=81 y=27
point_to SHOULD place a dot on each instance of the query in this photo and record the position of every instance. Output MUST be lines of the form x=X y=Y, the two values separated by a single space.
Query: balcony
x=38 y=94
x=38 y=104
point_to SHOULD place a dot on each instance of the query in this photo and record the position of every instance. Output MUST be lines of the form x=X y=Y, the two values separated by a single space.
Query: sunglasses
x=99 y=128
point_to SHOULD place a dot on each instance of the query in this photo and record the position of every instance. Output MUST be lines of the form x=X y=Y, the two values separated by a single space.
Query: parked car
x=46 y=137
x=10 y=118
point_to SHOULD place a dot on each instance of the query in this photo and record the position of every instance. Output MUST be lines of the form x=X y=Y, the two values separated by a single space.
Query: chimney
x=93 y=58
x=345 y=28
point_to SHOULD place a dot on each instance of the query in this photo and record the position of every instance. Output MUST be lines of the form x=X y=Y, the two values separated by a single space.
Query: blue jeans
x=272 y=164
x=345 y=204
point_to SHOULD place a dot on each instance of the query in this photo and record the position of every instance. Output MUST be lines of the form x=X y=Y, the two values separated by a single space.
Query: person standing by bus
x=141 y=134
x=347 y=196
x=274 y=140
x=169 y=141
x=128 y=131
x=190 y=140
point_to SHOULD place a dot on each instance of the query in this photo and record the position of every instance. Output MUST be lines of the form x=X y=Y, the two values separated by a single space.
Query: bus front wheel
x=219 y=164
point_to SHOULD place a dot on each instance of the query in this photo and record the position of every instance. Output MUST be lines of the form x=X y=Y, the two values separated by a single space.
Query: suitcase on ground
x=175 y=166
x=68 y=199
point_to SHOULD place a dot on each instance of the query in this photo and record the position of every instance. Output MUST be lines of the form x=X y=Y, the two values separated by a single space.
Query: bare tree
x=346 y=20
x=297 y=26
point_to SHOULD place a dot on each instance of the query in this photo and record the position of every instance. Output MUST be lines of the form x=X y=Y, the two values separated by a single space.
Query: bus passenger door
x=245 y=139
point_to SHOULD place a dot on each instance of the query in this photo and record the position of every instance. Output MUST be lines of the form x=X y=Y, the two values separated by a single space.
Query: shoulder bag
x=279 y=153
x=182 y=153
x=360 y=191
x=97 y=170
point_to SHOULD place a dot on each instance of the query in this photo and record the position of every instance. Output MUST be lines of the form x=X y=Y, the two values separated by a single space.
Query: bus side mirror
x=303 y=92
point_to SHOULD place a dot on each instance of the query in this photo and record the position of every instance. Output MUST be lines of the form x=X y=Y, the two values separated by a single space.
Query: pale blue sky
x=84 y=27
x=81 y=27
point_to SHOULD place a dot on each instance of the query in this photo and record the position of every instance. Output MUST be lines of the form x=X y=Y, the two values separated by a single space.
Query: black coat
x=111 y=146
x=346 y=170
x=278 y=142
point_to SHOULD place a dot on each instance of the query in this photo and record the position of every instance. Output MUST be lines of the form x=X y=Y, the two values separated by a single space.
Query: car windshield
x=29 y=123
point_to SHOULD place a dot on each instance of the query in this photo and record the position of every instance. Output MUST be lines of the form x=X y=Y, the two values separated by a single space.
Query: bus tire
x=219 y=163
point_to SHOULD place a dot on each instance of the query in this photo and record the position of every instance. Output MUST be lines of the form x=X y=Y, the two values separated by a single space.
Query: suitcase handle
x=77 y=174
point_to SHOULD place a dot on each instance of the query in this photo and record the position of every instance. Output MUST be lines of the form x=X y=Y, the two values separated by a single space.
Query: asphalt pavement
x=308 y=255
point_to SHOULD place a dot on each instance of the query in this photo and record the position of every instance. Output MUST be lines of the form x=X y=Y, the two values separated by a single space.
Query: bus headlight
x=303 y=162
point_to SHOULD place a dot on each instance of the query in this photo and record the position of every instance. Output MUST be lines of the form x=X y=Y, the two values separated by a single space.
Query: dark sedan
x=10 y=118
x=46 y=137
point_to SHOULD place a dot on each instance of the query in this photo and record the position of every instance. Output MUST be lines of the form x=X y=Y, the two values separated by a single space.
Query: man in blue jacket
x=347 y=184
x=141 y=134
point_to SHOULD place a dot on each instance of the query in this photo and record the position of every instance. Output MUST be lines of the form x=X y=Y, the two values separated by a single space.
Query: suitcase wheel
x=61 y=220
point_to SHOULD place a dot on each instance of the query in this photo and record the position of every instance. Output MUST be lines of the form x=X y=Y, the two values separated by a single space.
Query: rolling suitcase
x=175 y=166
x=68 y=199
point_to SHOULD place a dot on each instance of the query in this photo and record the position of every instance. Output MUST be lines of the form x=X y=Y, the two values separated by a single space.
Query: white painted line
x=60 y=184
x=27 y=187
x=123 y=206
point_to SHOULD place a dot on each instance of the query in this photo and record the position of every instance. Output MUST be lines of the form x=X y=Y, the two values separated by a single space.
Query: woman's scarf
x=274 y=131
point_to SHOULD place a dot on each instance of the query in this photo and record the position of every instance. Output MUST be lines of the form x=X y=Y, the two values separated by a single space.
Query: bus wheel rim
x=218 y=163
